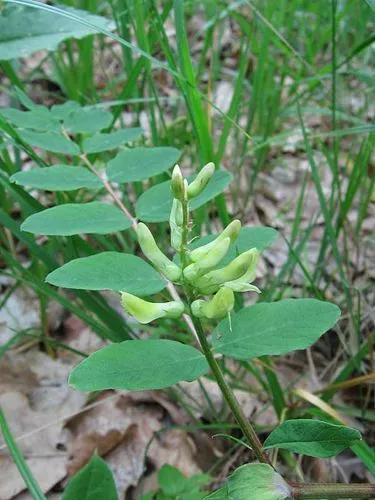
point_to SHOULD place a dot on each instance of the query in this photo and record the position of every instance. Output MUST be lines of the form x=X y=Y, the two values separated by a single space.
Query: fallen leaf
x=41 y=449
x=120 y=428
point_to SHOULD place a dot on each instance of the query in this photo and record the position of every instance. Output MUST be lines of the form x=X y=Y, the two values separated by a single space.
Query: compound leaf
x=274 y=328
x=62 y=111
x=174 y=484
x=314 y=438
x=24 y=30
x=39 y=118
x=57 y=178
x=104 y=142
x=50 y=141
x=77 y=218
x=93 y=481
x=141 y=163
x=108 y=271
x=137 y=365
x=87 y=120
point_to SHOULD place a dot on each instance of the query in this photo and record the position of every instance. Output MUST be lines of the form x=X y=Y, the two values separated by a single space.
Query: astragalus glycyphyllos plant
x=202 y=277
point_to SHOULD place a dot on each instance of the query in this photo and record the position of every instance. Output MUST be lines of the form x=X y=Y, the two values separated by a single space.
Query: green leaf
x=257 y=481
x=62 y=111
x=314 y=438
x=274 y=328
x=104 y=142
x=220 y=494
x=57 y=178
x=174 y=484
x=37 y=119
x=87 y=120
x=77 y=218
x=128 y=273
x=92 y=482
x=155 y=204
x=50 y=141
x=141 y=163
x=147 y=496
x=260 y=237
x=24 y=30
x=172 y=481
x=138 y=365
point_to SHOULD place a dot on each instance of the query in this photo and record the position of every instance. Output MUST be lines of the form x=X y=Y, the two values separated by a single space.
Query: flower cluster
x=197 y=269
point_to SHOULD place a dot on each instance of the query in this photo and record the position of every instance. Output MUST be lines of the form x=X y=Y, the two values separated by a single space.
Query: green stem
x=228 y=394
x=331 y=491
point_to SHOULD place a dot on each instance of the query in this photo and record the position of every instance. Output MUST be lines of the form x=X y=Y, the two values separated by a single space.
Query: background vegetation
x=280 y=94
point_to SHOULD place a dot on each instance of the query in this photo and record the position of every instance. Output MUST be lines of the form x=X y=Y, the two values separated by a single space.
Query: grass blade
x=19 y=460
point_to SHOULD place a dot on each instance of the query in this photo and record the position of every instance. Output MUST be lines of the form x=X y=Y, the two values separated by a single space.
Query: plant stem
x=110 y=191
x=228 y=394
x=331 y=491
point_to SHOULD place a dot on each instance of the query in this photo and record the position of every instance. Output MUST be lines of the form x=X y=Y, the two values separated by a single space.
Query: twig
x=110 y=191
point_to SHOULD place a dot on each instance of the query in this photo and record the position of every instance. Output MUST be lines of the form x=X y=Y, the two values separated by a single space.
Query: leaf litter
x=58 y=429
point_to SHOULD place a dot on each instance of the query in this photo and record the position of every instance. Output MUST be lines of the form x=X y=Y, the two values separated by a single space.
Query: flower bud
x=145 y=312
x=231 y=231
x=150 y=249
x=196 y=308
x=201 y=180
x=177 y=216
x=232 y=271
x=176 y=223
x=176 y=238
x=208 y=262
x=242 y=284
x=177 y=183
x=218 y=307
x=205 y=286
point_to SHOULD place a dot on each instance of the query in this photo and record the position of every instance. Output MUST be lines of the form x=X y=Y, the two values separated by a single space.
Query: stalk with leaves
x=208 y=287
x=197 y=276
